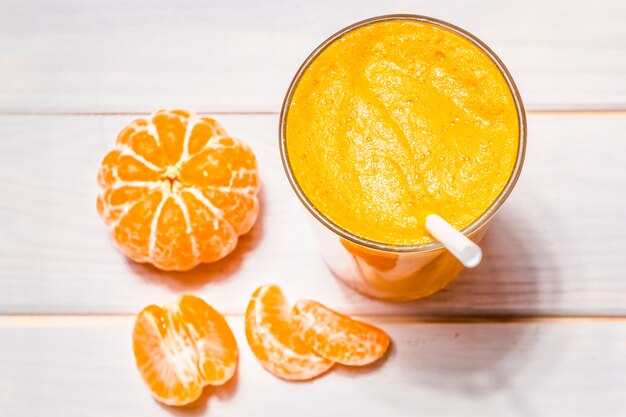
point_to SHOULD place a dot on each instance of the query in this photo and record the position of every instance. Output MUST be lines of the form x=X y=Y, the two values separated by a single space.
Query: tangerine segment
x=223 y=162
x=272 y=338
x=337 y=337
x=171 y=246
x=181 y=347
x=171 y=127
x=239 y=209
x=115 y=201
x=177 y=191
x=165 y=357
x=132 y=232
x=214 y=341
x=205 y=129
x=214 y=235
x=136 y=137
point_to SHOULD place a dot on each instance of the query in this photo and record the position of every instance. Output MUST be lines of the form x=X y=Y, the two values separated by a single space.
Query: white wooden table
x=539 y=329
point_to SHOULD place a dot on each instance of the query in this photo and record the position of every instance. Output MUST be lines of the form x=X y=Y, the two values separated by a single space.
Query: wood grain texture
x=120 y=56
x=433 y=369
x=556 y=248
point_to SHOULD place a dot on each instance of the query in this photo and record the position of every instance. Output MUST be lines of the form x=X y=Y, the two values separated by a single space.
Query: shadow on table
x=473 y=339
x=205 y=274
x=481 y=336
x=518 y=276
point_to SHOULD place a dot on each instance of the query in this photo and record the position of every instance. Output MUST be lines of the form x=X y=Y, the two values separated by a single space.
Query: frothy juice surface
x=396 y=120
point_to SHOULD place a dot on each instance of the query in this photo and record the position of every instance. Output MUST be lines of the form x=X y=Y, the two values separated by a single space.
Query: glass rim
x=385 y=247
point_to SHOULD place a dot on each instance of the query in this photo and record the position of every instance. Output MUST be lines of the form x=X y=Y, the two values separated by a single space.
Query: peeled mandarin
x=177 y=191
x=181 y=347
x=273 y=339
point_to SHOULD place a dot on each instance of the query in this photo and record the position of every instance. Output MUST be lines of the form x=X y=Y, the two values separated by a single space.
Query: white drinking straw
x=456 y=242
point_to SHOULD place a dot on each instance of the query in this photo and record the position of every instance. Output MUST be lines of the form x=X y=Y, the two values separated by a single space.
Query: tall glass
x=386 y=271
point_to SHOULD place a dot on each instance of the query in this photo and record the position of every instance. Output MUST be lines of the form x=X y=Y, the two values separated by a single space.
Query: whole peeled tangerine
x=177 y=191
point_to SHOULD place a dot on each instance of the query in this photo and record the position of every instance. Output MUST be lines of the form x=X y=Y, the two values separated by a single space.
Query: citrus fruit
x=272 y=338
x=177 y=191
x=182 y=347
x=337 y=337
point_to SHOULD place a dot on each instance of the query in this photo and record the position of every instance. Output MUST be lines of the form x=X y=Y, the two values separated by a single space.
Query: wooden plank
x=573 y=368
x=556 y=248
x=120 y=56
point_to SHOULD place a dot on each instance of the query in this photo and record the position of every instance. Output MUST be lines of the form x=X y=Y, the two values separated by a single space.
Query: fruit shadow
x=204 y=274
x=202 y=404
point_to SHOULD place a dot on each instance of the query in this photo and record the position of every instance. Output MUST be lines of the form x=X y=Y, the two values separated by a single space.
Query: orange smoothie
x=396 y=120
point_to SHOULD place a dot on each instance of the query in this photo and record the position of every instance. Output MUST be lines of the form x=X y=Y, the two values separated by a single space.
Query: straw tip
x=471 y=256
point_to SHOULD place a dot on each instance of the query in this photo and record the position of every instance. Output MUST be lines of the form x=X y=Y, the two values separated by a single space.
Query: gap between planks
x=35 y=320
x=539 y=112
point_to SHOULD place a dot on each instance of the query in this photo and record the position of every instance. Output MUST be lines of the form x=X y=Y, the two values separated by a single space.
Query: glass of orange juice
x=387 y=121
